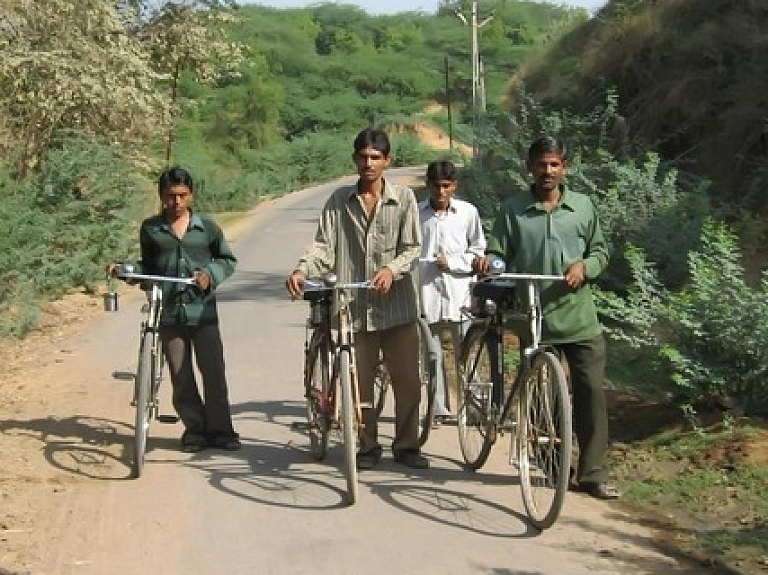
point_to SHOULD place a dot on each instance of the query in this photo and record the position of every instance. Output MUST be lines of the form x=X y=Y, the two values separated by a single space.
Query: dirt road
x=69 y=507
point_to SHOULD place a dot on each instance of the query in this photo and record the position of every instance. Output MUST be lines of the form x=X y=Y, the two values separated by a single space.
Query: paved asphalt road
x=270 y=508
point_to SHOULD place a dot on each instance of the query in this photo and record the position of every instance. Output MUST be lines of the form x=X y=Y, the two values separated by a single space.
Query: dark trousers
x=210 y=415
x=586 y=363
x=400 y=349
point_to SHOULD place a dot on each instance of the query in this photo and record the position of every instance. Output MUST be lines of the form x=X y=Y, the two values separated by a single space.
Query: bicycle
x=535 y=407
x=330 y=372
x=427 y=376
x=149 y=370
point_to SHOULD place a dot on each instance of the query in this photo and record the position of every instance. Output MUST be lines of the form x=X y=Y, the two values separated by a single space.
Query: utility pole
x=477 y=89
x=448 y=105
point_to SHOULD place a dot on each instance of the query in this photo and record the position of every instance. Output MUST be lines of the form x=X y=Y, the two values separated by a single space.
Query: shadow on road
x=246 y=285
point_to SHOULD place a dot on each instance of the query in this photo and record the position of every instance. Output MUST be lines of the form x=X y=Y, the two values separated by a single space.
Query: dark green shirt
x=532 y=240
x=203 y=247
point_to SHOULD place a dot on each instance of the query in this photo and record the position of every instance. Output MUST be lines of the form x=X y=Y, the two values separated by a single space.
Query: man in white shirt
x=452 y=238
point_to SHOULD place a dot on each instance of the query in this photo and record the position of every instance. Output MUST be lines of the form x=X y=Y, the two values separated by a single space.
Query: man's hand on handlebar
x=480 y=265
x=382 y=280
x=576 y=274
x=295 y=284
x=202 y=279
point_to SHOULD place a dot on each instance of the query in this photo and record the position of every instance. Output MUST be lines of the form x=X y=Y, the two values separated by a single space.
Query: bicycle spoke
x=476 y=423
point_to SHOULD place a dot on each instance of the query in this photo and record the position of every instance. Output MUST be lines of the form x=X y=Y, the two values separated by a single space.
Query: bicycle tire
x=143 y=385
x=348 y=428
x=317 y=390
x=544 y=440
x=381 y=383
x=428 y=380
x=475 y=417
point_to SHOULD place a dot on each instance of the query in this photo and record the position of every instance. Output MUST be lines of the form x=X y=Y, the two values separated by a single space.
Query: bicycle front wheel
x=544 y=440
x=317 y=389
x=348 y=428
x=428 y=380
x=143 y=394
x=476 y=424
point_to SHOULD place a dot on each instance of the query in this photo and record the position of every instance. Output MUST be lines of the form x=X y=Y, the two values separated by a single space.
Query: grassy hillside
x=691 y=77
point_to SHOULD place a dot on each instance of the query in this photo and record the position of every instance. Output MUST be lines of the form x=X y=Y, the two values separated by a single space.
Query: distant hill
x=691 y=76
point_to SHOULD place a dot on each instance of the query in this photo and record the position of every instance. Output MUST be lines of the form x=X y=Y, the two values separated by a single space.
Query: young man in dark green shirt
x=179 y=242
x=550 y=229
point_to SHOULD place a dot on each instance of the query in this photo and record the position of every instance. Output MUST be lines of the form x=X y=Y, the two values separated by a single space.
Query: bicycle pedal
x=167 y=418
x=124 y=375
x=302 y=425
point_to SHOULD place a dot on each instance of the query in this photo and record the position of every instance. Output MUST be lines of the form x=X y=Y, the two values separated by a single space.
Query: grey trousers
x=400 y=349
x=210 y=414
x=457 y=330
x=586 y=363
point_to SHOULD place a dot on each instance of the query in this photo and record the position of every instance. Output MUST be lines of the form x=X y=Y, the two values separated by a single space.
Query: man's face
x=440 y=193
x=176 y=200
x=548 y=171
x=370 y=163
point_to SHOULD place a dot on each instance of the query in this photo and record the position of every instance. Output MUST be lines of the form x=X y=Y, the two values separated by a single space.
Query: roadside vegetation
x=669 y=138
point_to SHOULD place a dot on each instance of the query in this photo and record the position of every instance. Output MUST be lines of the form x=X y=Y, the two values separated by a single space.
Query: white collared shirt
x=457 y=233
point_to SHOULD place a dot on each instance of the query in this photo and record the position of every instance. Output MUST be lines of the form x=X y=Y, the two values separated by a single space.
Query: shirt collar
x=388 y=195
x=427 y=205
x=566 y=200
x=195 y=221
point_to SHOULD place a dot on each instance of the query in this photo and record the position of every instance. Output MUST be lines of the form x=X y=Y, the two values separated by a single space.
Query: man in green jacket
x=550 y=229
x=179 y=242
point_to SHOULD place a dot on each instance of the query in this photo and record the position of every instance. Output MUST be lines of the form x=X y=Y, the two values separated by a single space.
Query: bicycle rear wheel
x=544 y=440
x=476 y=423
x=348 y=427
x=428 y=380
x=317 y=390
x=144 y=386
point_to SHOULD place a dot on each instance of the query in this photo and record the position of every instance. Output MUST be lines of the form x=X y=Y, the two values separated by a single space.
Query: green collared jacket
x=203 y=247
x=532 y=240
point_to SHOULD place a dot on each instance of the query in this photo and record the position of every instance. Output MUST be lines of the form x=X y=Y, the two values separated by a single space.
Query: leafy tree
x=189 y=35
x=68 y=64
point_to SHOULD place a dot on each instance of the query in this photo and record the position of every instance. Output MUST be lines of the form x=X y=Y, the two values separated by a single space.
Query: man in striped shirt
x=370 y=231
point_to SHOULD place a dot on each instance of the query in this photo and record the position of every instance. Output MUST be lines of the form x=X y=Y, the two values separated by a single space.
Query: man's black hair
x=441 y=170
x=548 y=145
x=175 y=176
x=372 y=138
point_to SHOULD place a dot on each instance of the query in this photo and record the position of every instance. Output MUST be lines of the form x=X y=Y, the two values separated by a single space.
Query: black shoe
x=226 y=442
x=368 y=459
x=193 y=442
x=411 y=458
x=599 y=490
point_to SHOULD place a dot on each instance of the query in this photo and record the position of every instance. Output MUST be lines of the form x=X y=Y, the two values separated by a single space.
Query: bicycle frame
x=338 y=357
x=149 y=368
x=533 y=345
x=542 y=430
x=344 y=339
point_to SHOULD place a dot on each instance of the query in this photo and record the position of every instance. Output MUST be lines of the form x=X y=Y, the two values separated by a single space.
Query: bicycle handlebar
x=324 y=284
x=521 y=276
x=125 y=275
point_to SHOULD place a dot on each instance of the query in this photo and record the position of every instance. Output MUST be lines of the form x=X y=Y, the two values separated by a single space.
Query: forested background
x=669 y=133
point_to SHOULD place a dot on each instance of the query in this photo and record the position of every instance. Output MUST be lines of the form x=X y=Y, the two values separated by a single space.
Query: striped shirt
x=354 y=246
